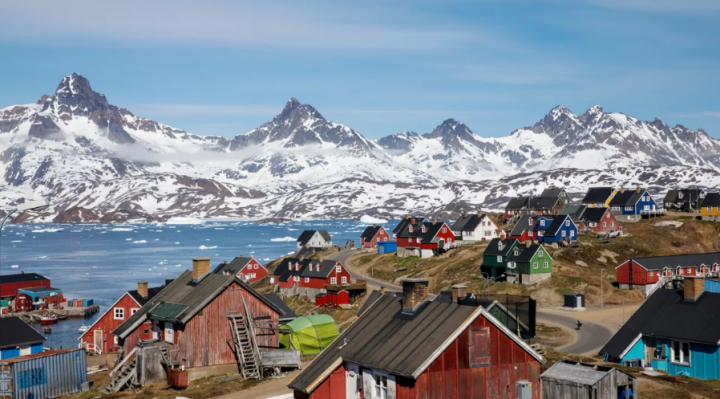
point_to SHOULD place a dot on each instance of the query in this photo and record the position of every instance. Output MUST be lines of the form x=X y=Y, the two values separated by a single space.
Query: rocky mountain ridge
x=98 y=162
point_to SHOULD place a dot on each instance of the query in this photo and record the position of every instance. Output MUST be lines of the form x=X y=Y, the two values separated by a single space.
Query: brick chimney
x=637 y=189
x=168 y=281
x=412 y=221
x=415 y=291
x=465 y=214
x=622 y=189
x=458 y=291
x=242 y=255
x=201 y=267
x=693 y=288
x=143 y=289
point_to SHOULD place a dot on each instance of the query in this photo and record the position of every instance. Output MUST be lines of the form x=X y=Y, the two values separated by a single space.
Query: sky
x=380 y=67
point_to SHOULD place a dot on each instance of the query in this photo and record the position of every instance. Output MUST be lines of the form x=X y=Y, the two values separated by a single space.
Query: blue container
x=385 y=247
x=69 y=303
x=45 y=375
x=88 y=302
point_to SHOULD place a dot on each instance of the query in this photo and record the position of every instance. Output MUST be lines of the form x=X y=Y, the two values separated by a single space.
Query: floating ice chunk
x=283 y=239
x=204 y=247
x=122 y=229
x=140 y=242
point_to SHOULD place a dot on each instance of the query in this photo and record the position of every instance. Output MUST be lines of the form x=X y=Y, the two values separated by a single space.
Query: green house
x=530 y=263
x=496 y=255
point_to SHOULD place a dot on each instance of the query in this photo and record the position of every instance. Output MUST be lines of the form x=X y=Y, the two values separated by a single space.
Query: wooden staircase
x=166 y=358
x=244 y=341
x=123 y=375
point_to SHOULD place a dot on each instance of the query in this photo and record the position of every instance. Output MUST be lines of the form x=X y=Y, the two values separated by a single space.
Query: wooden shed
x=568 y=379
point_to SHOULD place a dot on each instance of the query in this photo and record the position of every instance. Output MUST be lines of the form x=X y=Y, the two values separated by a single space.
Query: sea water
x=104 y=261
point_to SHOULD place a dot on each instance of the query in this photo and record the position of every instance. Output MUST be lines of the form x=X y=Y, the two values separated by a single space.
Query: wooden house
x=676 y=331
x=516 y=207
x=630 y=206
x=424 y=239
x=710 y=209
x=569 y=379
x=18 y=338
x=496 y=254
x=544 y=205
x=246 y=269
x=559 y=229
x=529 y=264
x=310 y=274
x=314 y=239
x=194 y=315
x=556 y=192
x=372 y=234
x=525 y=228
x=474 y=227
x=684 y=200
x=599 y=197
x=595 y=220
x=408 y=347
x=99 y=338
x=648 y=273
x=11 y=283
x=405 y=221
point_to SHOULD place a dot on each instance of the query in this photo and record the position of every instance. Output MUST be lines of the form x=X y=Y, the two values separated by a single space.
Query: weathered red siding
x=622 y=273
x=381 y=235
x=522 y=238
x=11 y=289
x=450 y=375
x=639 y=274
x=204 y=339
x=107 y=323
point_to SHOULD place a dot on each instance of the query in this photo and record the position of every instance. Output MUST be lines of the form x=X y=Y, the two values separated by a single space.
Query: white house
x=314 y=239
x=475 y=227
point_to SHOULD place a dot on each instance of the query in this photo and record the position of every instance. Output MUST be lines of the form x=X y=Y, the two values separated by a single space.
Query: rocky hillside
x=98 y=162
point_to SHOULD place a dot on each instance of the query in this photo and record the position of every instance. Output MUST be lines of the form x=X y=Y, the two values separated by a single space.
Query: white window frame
x=116 y=340
x=567 y=223
x=338 y=268
x=444 y=229
x=133 y=311
x=307 y=279
x=628 y=208
x=540 y=253
x=563 y=234
x=682 y=361
x=343 y=279
x=542 y=222
x=333 y=280
x=296 y=279
x=120 y=312
x=536 y=265
x=499 y=258
x=604 y=224
x=546 y=265
x=378 y=390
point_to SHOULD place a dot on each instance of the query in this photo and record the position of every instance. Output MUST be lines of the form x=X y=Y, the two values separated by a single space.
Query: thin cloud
x=286 y=25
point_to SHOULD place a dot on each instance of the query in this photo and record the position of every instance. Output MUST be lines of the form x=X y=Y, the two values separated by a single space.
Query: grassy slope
x=574 y=269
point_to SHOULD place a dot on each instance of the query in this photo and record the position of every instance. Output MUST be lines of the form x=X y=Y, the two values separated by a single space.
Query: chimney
x=479 y=213
x=622 y=189
x=520 y=196
x=434 y=221
x=458 y=291
x=168 y=281
x=201 y=267
x=143 y=289
x=321 y=259
x=242 y=255
x=225 y=262
x=693 y=288
x=382 y=290
x=637 y=189
x=374 y=224
x=465 y=214
x=252 y=256
x=407 y=216
x=302 y=258
x=415 y=292
x=412 y=221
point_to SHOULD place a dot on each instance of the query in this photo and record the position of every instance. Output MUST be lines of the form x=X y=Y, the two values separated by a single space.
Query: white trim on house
x=109 y=309
x=622 y=355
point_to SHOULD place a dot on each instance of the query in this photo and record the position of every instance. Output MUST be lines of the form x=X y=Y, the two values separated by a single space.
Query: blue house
x=677 y=331
x=18 y=338
x=629 y=206
x=557 y=229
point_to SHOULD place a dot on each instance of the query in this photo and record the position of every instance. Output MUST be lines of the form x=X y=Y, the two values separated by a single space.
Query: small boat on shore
x=83 y=328
x=49 y=319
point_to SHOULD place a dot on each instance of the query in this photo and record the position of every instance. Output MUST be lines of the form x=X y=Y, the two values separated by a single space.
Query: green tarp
x=309 y=334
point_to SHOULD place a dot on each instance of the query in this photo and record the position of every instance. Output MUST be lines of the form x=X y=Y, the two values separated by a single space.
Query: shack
x=568 y=379
x=44 y=375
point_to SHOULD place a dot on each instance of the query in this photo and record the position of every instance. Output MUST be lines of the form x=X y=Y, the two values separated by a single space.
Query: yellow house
x=711 y=206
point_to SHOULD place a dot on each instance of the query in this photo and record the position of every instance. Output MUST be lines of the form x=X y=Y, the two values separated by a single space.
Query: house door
x=156 y=330
x=98 y=340
x=353 y=381
x=578 y=301
x=169 y=333
x=25 y=350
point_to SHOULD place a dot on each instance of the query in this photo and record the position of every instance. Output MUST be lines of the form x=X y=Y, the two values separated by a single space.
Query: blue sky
x=378 y=66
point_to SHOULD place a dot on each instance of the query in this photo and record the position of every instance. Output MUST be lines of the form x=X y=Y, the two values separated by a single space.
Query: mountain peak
x=450 y=121
x=295 y=110
x=594 y=110
x=74 y=84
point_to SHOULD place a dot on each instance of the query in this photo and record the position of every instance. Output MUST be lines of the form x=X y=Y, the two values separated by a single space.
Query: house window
x=133 y=311
x=542 y=222
x=307 y=279
x=256 y=266
x=381 y=387
x=516 y=252
x=296 y=279
x=540 y=253
x=567 y=223
x=311 y=267
x=612 y=224
x=500 y=246
x=343 y=279
x=119 y=314
x=535 y=265
x=479 y=347
x=651 y=274
x=680 y=352
x=616 y=208
x=333 y=280
x=115 y=340
x=604 y=224
x=546 y=265
x=444 y=230
x=499 y=258
x=338 y=268
x=562 y=233
x=628 y=208
x=709 y=208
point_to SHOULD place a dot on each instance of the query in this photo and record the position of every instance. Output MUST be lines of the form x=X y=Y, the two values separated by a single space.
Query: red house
x=372 y=235
x=596 y=220
x=416 y=237
x=247 y=269
x=408 y=347
x=11 y=283
x=192 y=315
x=310 y=273
x=644 y=273
x=98 y=338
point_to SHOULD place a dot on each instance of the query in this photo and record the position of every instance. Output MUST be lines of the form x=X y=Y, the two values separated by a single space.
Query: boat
x=83 y=328
x=49 y=319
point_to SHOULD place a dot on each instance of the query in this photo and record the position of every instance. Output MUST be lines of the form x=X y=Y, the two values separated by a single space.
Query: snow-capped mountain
x=95 y=161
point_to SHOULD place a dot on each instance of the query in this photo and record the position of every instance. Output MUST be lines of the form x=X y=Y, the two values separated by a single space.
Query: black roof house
x=524 y=253
x=424 y=230
x=667 y=314
x=556 y=225
x=141 y=300
x=673 y=261
x=596 y=195
x=307 y=268
x=287 y=313
x=627 y=197
x=542 y=203
x=711 y=200
x=307 y=235
x=21 y=278
x=386 y=338
x=468 y=222
x=234 y=266
x=525 y=223
x=595 y=215
x=517 y=204
x=405 y=221
x=494 y=249
x=16 y=332
x=370 y=232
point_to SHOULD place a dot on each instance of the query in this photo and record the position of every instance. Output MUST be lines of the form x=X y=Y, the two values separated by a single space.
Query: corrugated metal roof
x=167 y=312
x=585 y=374
x=597 y=194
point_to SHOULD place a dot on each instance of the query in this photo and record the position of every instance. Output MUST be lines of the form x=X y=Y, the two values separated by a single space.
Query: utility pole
x=372 y=265
x=601 y=288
